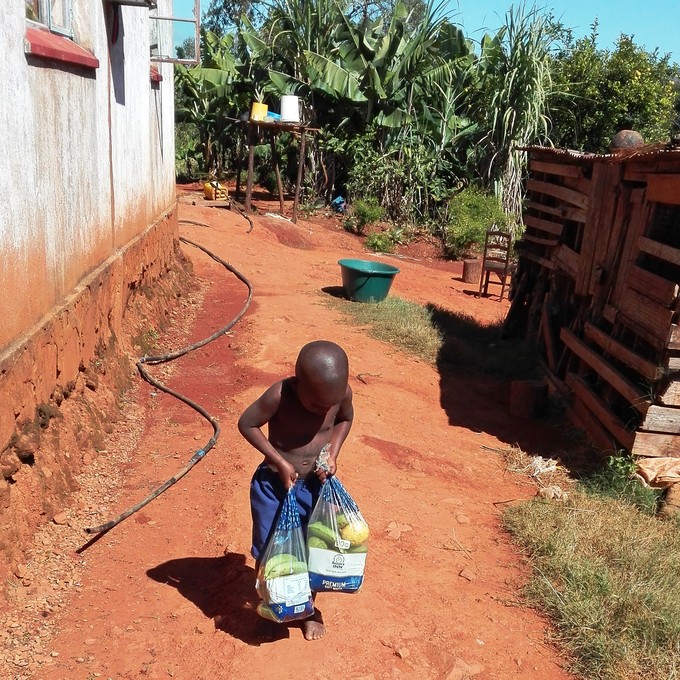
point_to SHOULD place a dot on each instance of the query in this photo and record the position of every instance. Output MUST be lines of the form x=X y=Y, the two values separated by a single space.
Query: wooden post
x=277 y=172
x=301 y=165
x=239 y=159
x=251 y=164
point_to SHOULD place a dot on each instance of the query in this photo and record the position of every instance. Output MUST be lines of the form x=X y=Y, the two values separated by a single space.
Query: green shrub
x=367 y=212
x=363 y=213
x=472 y=212
x=616 y=479
x=384 y=241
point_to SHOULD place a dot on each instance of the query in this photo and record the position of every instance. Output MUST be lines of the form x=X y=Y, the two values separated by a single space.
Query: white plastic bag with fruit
x=282 y=579
x=337 y=541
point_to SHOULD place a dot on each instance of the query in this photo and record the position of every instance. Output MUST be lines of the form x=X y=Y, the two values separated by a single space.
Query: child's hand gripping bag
x=282 y=579
x=337 y=541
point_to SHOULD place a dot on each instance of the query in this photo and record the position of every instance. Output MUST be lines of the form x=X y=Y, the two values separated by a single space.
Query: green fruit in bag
x=316 y=542
x=320 y=530
x=283 y=564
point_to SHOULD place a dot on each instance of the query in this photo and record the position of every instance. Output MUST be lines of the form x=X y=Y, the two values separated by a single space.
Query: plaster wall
x=86 y=158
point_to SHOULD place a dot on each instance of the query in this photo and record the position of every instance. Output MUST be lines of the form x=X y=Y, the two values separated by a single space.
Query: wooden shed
x=597 y=288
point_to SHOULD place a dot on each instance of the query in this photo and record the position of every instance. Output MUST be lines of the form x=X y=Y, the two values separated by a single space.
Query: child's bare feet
x=313 y=627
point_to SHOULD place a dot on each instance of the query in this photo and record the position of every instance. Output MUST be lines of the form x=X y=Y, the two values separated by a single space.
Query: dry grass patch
x=606 y=571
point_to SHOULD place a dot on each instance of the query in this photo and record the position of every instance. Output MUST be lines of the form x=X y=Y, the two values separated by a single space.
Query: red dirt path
x=169 y=592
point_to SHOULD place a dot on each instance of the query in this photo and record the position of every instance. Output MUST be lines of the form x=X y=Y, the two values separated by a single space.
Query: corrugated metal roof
x=649 y=152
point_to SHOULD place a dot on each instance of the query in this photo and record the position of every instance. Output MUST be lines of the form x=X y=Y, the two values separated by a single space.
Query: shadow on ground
x=223 y=588
x=476 y=366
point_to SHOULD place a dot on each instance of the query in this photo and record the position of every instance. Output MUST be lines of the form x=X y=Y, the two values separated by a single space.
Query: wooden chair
x=497 y=260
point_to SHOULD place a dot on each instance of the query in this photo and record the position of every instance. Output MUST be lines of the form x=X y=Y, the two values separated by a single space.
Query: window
x=55 y=14
x=176 y=39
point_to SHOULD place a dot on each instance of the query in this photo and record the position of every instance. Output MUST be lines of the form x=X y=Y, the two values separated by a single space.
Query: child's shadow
x=223 y=588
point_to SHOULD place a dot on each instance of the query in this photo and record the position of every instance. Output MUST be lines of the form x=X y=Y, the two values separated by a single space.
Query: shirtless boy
x=307 y=414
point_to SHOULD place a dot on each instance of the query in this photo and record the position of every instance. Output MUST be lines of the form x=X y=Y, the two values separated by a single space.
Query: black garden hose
x=163 y=358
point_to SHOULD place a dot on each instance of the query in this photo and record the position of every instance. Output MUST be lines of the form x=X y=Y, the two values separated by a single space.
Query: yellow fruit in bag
x=355 y=532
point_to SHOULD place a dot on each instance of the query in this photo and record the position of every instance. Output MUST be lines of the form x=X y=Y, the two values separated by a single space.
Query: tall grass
x=608 y=577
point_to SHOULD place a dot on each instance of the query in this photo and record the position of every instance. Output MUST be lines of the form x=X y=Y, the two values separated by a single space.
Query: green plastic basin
x=365 y=280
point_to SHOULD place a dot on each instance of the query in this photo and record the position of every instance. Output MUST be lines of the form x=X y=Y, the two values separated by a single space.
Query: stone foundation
x=61 y=381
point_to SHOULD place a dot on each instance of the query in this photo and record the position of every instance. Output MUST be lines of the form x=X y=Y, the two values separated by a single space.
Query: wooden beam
x=598 y=408
x=653 y=339
x=665 y=419
x=239 y=161
x=582 y=417
x=561 y=169
x=568 y=195
x=548 y=242
x=251 y=165
x=221 y=203
x=544 y=225
x=600 y=227
x=671 y=394
x=566 y=211
x=622 y=353
x=548 y=339
x=649 y=314
x=673 y=364
x=664 y=188
x=637 y=195
x=660 y=250
x=568 y=258
x=606 y=371
x=631 y=231
x=674 y=342
x=658 y=445
x=277 y=172
x=544 y=262
x=653 y=286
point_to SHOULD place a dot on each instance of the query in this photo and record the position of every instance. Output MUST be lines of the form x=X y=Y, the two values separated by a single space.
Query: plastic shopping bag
x=282 y=579
x=337 y=544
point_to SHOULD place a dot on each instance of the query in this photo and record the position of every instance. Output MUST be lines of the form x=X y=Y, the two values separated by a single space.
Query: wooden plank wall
x=598 y=289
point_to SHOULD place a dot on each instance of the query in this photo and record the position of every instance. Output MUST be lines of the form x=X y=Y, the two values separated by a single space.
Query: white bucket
x=290 y=109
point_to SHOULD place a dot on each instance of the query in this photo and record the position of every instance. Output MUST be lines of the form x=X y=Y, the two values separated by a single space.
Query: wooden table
x=254 y=129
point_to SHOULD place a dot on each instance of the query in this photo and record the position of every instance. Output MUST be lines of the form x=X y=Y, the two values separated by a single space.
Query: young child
x=309 y=416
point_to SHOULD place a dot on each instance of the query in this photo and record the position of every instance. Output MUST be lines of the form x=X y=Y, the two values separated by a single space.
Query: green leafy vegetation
x=471 y=213
x=409 y=109
x=599 y=92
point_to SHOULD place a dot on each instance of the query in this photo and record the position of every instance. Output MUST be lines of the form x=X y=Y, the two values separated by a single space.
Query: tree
x=601 y=92
x=223 y=16
x=187 y=50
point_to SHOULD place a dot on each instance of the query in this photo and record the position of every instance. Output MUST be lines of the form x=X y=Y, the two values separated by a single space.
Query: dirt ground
x=168 y=593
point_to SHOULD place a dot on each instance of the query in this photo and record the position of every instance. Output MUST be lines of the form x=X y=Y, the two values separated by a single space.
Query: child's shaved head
x=324 y=367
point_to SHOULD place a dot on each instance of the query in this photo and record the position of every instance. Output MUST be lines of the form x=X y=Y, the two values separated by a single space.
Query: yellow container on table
x=258 y=111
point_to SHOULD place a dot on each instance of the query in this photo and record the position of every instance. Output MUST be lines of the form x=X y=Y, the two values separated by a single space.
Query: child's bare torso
x=296 y=433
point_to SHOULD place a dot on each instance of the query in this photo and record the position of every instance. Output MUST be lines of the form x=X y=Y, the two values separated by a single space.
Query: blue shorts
x=266 y=497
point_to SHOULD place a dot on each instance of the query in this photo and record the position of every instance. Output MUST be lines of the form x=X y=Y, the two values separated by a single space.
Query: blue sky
x=653 y=23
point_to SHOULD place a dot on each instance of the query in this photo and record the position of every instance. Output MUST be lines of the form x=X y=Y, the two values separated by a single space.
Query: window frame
x=46 y=19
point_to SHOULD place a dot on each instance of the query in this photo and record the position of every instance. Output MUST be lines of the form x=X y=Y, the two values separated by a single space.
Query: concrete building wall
x=86 y=156
x=87 y=217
